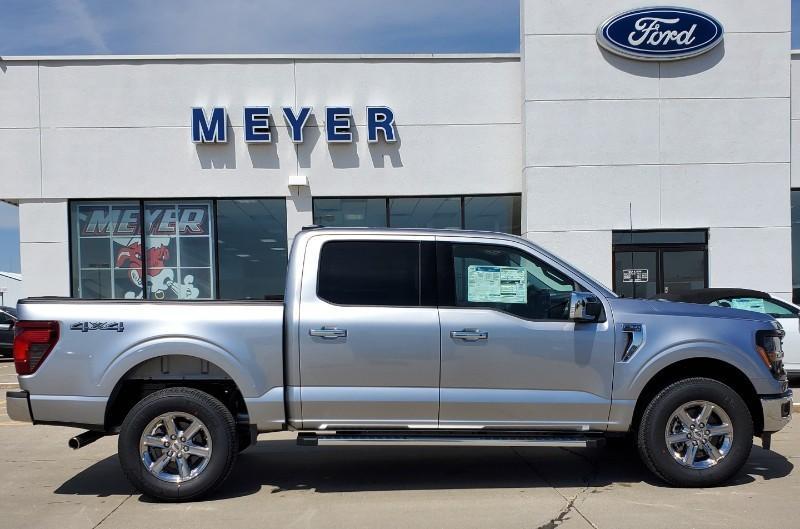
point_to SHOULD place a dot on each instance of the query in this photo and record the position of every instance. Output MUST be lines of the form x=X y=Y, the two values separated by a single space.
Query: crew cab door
x=369 y=333
x=511 y=358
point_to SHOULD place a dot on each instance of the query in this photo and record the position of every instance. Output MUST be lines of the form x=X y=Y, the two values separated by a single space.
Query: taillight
x=33 y=341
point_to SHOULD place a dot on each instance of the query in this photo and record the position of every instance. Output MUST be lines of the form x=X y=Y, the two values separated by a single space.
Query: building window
x=486 y=212
x=350 y=212
x=796 y=245
x=252 y=248
x=173 y=254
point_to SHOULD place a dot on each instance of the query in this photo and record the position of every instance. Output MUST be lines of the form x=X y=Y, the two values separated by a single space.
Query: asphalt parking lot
x=278 y=484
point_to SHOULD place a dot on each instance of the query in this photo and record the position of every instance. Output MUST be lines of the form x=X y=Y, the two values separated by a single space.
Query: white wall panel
x=428 y=160
x=45 y=268
x=19 y=100
x=592 y=198
x=592 y=132
x=419 y=92
x=726 y=195
x=745 y=65
x=162 y=162
x=724 y=130
x=575 y=67
x=20 y=174
x=757 y=258
x=158 y=93
x=43 y=221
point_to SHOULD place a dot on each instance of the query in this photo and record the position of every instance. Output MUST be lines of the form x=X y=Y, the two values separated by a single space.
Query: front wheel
x=697 y=432
x=178 y=444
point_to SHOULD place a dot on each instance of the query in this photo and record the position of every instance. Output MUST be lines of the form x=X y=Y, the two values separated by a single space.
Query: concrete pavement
x=44 y=484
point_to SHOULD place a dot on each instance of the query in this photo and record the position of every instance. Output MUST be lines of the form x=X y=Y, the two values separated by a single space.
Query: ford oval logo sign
x=660 y=33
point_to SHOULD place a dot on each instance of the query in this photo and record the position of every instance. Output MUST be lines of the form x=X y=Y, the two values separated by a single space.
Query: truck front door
x=369 y=333
x=511 y=358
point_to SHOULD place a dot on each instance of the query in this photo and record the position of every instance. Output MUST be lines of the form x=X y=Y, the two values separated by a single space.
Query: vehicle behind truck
x=404 y=337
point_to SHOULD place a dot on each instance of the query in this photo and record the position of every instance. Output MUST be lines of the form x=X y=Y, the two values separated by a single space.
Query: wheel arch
x=712 y=368
x=156 y=372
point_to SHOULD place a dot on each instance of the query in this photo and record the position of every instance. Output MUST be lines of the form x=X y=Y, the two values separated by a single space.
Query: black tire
x=221 y=429
x=653 y=446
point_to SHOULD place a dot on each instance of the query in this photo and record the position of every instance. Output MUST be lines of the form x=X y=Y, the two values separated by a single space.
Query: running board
x=395 y=439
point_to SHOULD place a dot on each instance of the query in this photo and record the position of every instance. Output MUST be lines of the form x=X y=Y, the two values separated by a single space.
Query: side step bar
x=400 y=439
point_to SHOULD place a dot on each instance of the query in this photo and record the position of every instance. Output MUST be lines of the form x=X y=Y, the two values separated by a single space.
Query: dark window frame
x=387 y=199
x=141 y=202
x=446 y=281
x=426 y=266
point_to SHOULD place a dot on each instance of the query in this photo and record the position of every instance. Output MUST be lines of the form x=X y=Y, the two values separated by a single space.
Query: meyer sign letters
x=660 y=33
x=212 y=126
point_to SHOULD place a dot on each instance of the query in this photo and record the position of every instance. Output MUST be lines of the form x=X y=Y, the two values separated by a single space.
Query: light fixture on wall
x=297 y=182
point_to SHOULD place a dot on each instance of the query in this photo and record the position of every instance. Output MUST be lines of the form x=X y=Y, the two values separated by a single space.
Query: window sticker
x=636 y=275
x=497 y=284
x=751 y=304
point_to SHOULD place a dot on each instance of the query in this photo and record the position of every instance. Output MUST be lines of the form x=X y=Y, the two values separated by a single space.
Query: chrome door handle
x=469 y=335
x=328 y=333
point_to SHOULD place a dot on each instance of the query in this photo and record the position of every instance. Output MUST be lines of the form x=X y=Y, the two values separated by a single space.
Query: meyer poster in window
x=176 y=251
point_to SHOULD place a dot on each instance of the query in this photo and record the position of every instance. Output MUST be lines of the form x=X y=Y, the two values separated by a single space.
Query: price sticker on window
x=497 y=284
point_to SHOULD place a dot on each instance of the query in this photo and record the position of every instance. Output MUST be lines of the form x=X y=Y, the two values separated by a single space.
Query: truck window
x=378 y=273
x=505 y=279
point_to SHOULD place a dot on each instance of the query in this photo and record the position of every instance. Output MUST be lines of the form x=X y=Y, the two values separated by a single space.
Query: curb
x=14 y=385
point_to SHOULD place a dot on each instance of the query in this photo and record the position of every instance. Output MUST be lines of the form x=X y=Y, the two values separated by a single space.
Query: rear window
x=381 y=273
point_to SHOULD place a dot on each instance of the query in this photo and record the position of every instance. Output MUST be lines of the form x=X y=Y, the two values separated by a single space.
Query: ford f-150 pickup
x=393 y=337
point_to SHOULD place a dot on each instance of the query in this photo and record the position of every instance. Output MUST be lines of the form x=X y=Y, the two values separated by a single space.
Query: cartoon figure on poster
x=160 y=279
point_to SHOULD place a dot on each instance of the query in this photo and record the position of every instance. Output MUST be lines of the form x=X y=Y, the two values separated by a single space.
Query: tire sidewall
x=655 y=423
x=161 y=403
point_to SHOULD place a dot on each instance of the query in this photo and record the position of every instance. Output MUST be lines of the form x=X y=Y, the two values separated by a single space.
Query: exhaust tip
x=88 y=437
x=74 y=443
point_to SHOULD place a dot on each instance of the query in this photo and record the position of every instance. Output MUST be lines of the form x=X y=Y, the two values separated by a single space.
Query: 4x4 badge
x=86 y=326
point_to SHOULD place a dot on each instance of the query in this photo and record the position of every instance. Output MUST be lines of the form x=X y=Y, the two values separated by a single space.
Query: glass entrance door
x=650 y=263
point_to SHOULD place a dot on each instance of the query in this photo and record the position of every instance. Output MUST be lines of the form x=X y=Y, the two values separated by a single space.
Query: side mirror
x=584 y=307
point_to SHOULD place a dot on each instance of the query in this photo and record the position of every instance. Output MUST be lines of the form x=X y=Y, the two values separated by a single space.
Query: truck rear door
x=368 y=339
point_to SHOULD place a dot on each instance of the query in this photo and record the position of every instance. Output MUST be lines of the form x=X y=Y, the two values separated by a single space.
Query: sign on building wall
x=212 y=126
x=660 y=33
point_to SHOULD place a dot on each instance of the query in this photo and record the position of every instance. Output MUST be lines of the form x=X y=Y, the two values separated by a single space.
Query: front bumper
x=777 y=411
x=18 y=406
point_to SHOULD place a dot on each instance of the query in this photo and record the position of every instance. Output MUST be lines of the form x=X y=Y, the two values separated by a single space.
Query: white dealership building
x=196 y=172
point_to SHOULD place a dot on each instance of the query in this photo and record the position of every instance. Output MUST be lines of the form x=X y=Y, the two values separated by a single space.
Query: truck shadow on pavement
x=281 y=466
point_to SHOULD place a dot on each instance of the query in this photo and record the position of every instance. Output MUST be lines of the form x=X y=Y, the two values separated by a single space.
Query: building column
x=44 y=247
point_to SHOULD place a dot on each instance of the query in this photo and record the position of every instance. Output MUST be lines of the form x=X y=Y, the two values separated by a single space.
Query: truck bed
x=104 y=342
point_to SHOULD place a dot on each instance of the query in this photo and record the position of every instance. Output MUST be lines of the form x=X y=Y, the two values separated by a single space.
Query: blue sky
x=58 y=27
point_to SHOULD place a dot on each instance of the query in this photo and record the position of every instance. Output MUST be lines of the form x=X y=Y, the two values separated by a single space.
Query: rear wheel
x=696 y=432
x=178 y=444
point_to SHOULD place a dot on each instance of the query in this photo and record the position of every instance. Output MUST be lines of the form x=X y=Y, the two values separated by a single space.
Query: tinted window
x=370 y=273
x=509 y=280
x=355 y=212
x=493 y=213
x=429 y=212
x=764 y=306
x=252 y=248
x=5 y=318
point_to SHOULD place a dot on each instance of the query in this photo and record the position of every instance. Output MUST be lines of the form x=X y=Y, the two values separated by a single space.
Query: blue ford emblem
x=660 y=33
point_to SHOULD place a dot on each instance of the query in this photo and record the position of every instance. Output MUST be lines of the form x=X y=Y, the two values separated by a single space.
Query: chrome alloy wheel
x=699 y=434
x=175 y=447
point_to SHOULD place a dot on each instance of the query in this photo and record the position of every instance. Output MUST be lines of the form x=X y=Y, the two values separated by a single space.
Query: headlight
x=769 y=348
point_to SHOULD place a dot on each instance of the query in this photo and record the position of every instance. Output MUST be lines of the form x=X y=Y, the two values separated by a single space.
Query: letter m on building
x=209 y=130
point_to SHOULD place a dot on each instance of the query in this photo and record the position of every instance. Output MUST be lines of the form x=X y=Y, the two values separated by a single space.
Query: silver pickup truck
x=394 y=337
